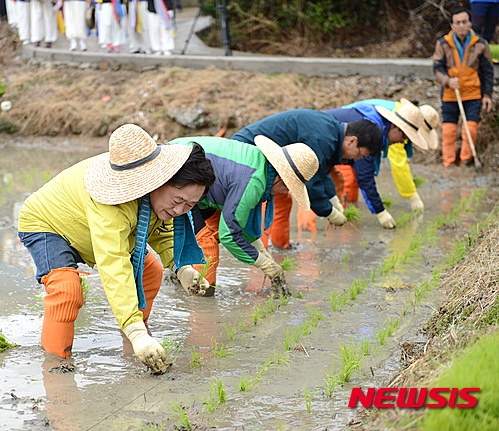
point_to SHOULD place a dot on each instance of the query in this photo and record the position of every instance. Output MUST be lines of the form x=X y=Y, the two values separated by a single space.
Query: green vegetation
x=182 y=420
x=352 y=213
x=217 y=396
x=418 y=181
x=5 y=344
x=477 y=368
x=288 y=264
x=219 y=350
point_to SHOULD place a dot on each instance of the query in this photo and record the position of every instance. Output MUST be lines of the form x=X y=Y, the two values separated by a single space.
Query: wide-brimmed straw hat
x=295 y=164
x=431 y=120
x=409 y=119
x=134 y=166
x=430 y=124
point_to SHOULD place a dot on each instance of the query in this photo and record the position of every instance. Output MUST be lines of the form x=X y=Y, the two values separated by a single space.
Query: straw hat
x=431 y=120
x=409 y=119
x=295 y=164
x=134 y=166
x=430 y=124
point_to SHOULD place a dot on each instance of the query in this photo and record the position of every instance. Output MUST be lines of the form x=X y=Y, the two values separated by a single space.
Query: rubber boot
x=339 y=182
x=351 y=187
x=281 y=227
x=151 y=282
x=449 y=136
x=207 y=239
x=466 y=153
x=306 y=220
x=63 y=300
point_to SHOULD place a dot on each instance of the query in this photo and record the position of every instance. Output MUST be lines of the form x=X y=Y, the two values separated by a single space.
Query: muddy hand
x=146 y=348
x=189 y=279
x=279 y=286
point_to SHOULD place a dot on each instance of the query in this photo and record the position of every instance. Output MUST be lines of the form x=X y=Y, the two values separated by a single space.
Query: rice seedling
x=172 y=345
x=85 y=286
x=283 y=300
x=278 y=424
x=351 y=362
x=387 y=202
x=151 y=426
x=196 y=359
x=331 y=382
x=219 y=350
x=392 y=325
x=381 y=336
x=418 y=181
x=270 y=305
x=337 y=301
x=288 y=264
x=298 y=295
x=216 y=397
x=290 y=339
x=365 y=346
x=308 y=399
x=259 y=313
x=5 y=344
x=182 y=418
x=345 y=257
x=352 y=213
x=404 y=219
x=246 y=383
x=277 y=359
x=314 y=316
x=230 y=330
x=389 y=264
x=204 y=269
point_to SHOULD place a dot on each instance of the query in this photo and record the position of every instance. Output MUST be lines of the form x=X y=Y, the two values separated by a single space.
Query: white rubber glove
x=189 y=277
x=386 y=220
x=416 y=202
x=147 y=349
x=258 y=244
x=335 y=201
x=337 y=218
x=269 y=266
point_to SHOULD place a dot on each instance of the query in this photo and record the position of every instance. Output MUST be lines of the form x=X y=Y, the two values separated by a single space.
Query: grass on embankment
x=453 y=356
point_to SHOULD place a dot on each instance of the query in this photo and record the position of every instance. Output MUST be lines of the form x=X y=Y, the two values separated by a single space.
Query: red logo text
x=414 y=398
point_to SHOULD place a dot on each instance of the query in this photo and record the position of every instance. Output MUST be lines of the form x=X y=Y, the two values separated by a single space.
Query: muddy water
x=103 y=387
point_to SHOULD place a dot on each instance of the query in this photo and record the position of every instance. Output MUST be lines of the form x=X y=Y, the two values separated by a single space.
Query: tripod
x=222 y=15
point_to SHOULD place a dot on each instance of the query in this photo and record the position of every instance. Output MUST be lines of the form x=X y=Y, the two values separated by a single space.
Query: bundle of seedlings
x=352 y=213
x=5 y=344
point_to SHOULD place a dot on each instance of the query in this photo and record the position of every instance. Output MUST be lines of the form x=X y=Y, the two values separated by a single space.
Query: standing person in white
x=112 y=24
x=23 y=15
x=11 y=13
x=74 y=21
x=139 y=27
x=161 y=26
x=43 y=22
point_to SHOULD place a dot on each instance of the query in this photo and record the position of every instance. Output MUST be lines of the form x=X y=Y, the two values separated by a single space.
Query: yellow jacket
x=102 y=234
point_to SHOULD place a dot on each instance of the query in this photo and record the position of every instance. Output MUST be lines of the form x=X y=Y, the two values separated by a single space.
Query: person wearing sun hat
x=331 y=140
x=400 y=126
x=104 y=211
x=247 y=177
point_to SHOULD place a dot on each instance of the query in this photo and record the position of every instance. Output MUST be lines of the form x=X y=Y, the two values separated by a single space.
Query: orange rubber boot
x=307 y=220
x=207 y=239
x=449 y=136
x=350 y=188
x=339 y=181
x=466 y=153
x=281 y=227
x=151 y=282
x=63 y=300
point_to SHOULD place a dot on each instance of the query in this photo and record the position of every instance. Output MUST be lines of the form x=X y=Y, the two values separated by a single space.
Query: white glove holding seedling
x=269 y=266
x=335 y=201
x=189 y=279
x=416 y=202
x=336 y=217
x=258 y=244
x=386 y=220
x=146 y=348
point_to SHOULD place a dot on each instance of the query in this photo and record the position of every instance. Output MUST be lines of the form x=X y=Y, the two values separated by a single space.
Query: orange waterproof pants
x=207 y=239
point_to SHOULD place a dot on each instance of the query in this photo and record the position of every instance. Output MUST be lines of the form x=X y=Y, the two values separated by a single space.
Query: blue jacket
x=320 y=131
x=365 y=169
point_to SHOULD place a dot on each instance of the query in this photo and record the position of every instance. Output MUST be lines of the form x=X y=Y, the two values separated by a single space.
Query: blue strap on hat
x=140 y=249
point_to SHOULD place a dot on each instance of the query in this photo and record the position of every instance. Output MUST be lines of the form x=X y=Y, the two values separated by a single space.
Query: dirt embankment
x=58 y=100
